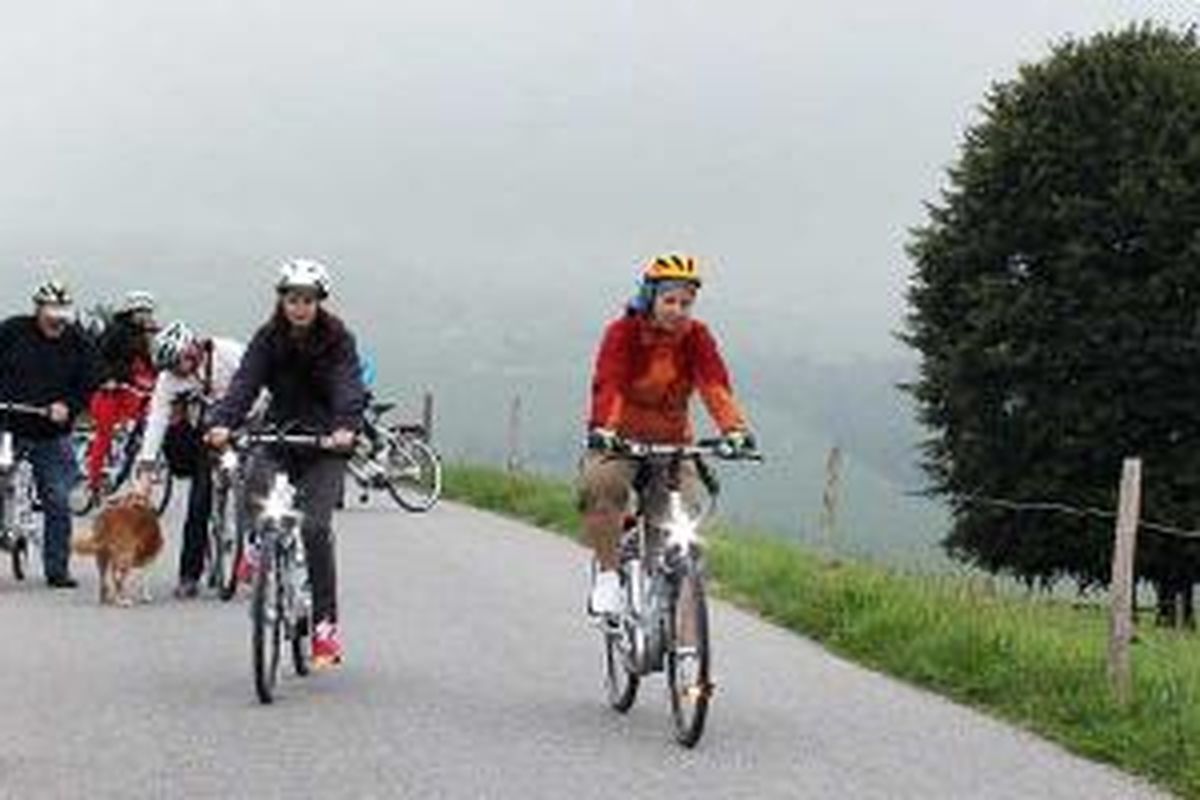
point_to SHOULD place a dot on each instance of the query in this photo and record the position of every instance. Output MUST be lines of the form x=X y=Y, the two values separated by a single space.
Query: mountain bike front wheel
x=160 y=491
x=20 y=557
x=620 y=681
x=266 y=615
x=688 y=657
x=81 y=498
x=301 y=636
x=226 y=542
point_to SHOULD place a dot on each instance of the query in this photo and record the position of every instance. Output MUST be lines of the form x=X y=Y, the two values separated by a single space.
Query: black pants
x=195 y=527
x=318 y=481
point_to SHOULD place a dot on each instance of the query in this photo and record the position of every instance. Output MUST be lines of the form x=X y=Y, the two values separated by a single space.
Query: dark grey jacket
x=37 y=370
x=314 y=380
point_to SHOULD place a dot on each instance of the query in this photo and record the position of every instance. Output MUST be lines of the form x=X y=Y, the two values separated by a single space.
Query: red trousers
x=109 y=408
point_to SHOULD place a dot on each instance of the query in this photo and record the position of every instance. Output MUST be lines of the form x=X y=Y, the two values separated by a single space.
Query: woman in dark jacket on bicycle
x=306 y=358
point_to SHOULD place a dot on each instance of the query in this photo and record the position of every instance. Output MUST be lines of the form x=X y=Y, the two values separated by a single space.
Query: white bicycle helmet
x=304 y=273
x=170 y=344
x=52 y=293
x=138 y=300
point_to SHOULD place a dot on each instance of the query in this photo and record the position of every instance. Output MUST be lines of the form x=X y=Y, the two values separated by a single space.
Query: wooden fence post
x=1120 y=669
x=427 y=416
x=514 y=435
x=829 y=501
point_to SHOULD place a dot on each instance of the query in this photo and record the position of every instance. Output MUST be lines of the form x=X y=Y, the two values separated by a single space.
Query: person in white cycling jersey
x=194 y=372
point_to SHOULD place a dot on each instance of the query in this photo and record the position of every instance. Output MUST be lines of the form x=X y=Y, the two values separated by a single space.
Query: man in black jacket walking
x=45 y=361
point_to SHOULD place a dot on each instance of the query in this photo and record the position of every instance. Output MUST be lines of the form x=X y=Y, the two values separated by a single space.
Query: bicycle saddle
x=379 y=409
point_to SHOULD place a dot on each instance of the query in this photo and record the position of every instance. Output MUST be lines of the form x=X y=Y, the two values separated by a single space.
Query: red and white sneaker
x=247 y=564
x=326 y=646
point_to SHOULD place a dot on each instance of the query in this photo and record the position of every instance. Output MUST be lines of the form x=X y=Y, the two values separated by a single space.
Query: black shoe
x=187 y=589
x=61 y=582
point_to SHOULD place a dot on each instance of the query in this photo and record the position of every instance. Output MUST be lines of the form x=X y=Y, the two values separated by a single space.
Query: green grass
x=1034 y=661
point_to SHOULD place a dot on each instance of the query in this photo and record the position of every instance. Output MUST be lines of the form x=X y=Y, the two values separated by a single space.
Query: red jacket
x=645 y=377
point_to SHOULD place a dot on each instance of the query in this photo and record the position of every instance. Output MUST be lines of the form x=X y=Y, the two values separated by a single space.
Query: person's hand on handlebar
x=59 y=413
x=737 y=442
x=342 y=439
x=217 y=438
x=603 y=440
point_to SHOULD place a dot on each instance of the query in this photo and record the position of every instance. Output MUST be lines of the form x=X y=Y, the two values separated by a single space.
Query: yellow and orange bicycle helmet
x=672 y=267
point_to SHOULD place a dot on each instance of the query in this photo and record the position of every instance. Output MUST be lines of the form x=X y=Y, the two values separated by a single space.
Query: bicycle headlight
x=229 y=461
x=681 y=532
x=274 y=508
x=682 y=529
x=277 y=506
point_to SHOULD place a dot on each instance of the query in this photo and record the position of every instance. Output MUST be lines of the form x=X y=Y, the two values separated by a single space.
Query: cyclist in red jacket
x=651 y=361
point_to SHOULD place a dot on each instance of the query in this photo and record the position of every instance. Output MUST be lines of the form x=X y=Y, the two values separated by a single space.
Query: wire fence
x=1077 y=511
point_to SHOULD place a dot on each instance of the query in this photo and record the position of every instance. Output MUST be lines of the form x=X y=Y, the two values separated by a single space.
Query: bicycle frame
x=650 y=570
x=18 y=528
x=279 y=541
x=227 y=524
x=364 y=465
x=281 y=603
x=16 y=487
x=663 y=626
x=397 y=459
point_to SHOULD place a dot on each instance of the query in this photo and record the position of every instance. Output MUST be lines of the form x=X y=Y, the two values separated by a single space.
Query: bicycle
x=398 y=459
x=19 y=531
x=664 y=624
x=226 y=527
x=118 y=465
x=280 y=600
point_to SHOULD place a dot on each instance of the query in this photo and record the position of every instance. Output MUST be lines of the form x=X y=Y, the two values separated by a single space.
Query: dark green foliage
x=1056 y=306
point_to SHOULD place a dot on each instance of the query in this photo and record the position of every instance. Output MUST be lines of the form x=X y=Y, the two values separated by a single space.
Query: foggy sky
x=496 y=152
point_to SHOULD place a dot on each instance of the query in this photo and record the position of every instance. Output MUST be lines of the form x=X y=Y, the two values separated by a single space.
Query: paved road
x=471 y=674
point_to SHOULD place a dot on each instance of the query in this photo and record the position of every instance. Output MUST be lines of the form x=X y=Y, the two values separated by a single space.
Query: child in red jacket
x=651 y=361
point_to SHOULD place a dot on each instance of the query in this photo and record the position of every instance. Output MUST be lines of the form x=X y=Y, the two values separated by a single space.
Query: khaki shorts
x=606 y=486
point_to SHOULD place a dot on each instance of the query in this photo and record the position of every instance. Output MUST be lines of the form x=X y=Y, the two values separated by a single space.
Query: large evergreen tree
x=1056 y=307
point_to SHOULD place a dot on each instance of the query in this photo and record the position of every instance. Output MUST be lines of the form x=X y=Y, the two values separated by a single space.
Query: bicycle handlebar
x=24 y=408
x=129 y=388
x=311 y=441
x=704 y=447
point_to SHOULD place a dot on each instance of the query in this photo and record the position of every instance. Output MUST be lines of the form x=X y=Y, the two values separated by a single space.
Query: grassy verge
x=1039 y=663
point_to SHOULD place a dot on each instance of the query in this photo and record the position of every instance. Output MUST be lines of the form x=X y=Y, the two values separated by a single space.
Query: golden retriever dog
x=125 y=537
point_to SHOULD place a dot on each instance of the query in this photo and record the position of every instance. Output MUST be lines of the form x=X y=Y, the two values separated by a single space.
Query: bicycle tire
x=164 y=500
x=19 y=554
x=404 y=455
x=302 y=645
x=128 y=453
x=619 y=681
x=690 y=687
x=267 y=622
x=80 y=499
x=226 y=550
